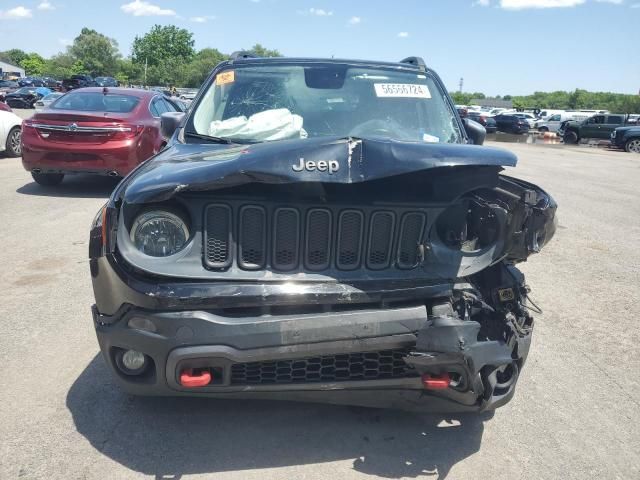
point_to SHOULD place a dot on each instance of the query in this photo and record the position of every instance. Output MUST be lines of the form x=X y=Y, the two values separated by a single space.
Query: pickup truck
x=598 y=126
x=78 y=81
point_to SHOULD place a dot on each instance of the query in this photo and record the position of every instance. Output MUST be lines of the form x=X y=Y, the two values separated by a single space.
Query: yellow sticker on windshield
x=226 y=77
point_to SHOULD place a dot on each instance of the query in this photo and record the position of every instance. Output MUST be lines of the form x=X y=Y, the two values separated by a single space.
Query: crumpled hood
x=197 y=167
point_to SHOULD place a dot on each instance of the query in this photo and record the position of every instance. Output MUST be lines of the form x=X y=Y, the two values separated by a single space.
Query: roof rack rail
x=417 y=61
x=243 y=54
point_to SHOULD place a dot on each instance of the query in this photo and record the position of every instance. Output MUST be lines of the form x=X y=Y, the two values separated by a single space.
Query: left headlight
x=159 y=233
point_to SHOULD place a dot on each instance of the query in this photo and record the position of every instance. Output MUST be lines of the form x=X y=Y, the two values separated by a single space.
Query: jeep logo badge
x=330 y=166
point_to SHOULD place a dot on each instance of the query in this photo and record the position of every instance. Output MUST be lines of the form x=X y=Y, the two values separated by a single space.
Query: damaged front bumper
x=375 y=352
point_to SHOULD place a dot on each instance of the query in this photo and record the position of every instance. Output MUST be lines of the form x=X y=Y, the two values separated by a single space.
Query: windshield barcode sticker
x=402 y=90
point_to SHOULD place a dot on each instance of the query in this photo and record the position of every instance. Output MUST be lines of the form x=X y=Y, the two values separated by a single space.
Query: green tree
x=172 y=72
x=162 y=43
x=128 y=72
x=98 y=53
x=201 y=65
x=13 y=56
x=59 y=66
x=261 y=51
x=33 y=64
x=461 y=98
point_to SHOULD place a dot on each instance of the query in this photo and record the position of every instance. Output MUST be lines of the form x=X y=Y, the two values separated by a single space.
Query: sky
x=498 y=47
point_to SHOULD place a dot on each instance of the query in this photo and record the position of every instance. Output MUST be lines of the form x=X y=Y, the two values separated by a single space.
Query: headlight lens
x=159 y=233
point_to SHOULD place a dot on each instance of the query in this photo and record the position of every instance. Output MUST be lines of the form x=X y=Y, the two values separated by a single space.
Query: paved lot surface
x=575 y=414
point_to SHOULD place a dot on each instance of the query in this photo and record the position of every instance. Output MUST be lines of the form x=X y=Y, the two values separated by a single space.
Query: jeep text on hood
x=318 y=230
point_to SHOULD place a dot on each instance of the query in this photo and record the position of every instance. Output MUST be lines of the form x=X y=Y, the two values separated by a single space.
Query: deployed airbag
x=278 y=124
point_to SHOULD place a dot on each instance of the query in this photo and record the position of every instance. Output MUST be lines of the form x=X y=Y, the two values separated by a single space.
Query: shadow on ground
x=171 y=437
x=74 y=186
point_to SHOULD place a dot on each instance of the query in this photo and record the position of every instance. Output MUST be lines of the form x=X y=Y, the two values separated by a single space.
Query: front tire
x=570 y=138
x=632 y=145
x=543 y=129
x=14 y=145
x=47 y=179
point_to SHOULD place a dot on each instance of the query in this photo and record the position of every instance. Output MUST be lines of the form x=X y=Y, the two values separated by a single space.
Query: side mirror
x=475 y=131
x=169 y=123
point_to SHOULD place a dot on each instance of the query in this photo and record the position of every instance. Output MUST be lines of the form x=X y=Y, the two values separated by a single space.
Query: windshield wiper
x=208 y=138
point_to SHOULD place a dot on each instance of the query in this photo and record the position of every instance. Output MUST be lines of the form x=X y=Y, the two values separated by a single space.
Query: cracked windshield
x=267 y=103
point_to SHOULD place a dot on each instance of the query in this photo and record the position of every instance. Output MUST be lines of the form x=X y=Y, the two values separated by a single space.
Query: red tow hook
x=436 y=382
x=189 y=379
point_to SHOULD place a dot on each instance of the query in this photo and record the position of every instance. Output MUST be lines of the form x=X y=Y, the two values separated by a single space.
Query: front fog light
x=159 y=233
x=131 y=362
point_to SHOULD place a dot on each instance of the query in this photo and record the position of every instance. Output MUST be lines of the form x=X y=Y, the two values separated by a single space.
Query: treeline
x=164 y=56
x=576 y=100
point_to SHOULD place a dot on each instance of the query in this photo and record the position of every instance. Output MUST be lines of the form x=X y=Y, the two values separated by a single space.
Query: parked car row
x=81 y=81
x=572 y=126
x=48 y=82
x=75 y=81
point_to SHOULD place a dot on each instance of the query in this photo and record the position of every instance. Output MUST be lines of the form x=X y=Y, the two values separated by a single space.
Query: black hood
x=196 y=167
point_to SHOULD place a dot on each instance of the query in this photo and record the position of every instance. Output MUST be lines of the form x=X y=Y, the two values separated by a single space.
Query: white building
x=9 y=70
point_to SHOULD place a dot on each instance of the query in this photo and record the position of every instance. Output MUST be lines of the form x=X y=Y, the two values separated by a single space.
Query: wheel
x=632 y=145
x=47 y=179
x=13 y=146
x=543 y=129
x=570 y=138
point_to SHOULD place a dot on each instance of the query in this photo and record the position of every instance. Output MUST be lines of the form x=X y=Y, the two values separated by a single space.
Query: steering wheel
x=377 y=126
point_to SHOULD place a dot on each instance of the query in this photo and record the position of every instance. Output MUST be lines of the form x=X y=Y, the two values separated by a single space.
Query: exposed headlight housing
x=159 y=233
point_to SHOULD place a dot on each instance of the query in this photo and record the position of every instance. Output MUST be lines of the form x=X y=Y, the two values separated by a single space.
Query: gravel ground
x=575 y=414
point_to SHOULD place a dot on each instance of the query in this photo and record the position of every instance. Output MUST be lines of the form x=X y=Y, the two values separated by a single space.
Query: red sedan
x=105 y=131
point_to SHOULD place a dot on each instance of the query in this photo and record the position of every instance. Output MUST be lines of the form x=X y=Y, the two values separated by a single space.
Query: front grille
x=286 y=239
x=251 y=252
x=318 y=239
x=218 y=236
x=311 y=238
x=380 y=240
x=410 y=232
x=327 y=368
x=349 y=239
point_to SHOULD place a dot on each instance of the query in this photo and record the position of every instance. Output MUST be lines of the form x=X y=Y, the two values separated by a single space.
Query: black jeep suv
x=320 y=230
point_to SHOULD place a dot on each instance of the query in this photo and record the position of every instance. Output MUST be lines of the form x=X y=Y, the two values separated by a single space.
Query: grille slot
x=350 y=229
x=410 y=238
x=251 y=247
x=378 y=365
x=318 y=239
x=286 y=239
x=218 y=239
x=380 y=240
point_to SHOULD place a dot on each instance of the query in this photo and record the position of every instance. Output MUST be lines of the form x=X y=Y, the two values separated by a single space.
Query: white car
x=188 y=95
x=10 y=134
x=47 y=100
x=553 y=122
